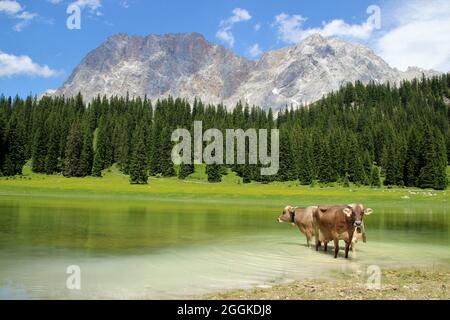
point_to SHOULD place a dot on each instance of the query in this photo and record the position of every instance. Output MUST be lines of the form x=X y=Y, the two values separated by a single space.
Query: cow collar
x=293 y=215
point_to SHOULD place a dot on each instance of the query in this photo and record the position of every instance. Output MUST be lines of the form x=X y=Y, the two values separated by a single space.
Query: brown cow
x=361 y=230
x=334 y=223
x=300 y=217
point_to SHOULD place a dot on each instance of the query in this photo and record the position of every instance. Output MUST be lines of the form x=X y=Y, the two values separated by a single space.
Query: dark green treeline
x=359 y=134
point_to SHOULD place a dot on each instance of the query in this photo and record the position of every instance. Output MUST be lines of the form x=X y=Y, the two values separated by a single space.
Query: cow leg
x=309 y=237
x=336 y=247
x=363 y=231
x=354 y=250
x=325 y=246
x=317 y=245
x=347 y=247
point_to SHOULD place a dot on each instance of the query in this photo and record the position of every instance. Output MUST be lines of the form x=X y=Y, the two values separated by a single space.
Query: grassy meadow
x=115 y=185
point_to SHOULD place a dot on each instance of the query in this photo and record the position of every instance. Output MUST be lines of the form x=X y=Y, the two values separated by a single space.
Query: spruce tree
x=51 y=160
x=87 y=153
x=185 y=170
x=2 y=140
x=138 y=167
x=325 y=172
x=124 y=149
x=413 y=159
x=287 y=170
x=16 y=140
x=97 y=166
x=433 y=174
x=305 y=164
x=39 y=149
x=356 y=171
x=166 y=164
x=346 y=182
x=246 y=173
x=103 y=157
x=213 y=172
x=74 y=146
x=375 y=179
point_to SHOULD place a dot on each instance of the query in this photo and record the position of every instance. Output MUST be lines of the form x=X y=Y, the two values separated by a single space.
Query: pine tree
x=305 y=165
x=138 y=167
x=246 y=173
x=375 y=179
x=185 y=170
x=74 y=146
x=346 y=182
x=2 y=140
x=441 y=180
x=356 y=171
x=124 y=150
x=16 y=139
x=389 y=165
x=325 y=172
x=39 y=150
x=368 y=168
x=213 y=172
x=103 y=157
x=433 y=173
x=413 y=159
x=166 y=164
x=97 y=166
x=287 y=170
x=51 y=160
x=87 y=153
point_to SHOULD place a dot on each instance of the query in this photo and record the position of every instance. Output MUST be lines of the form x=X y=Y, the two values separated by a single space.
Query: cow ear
x=347 y=212
x=291 y=209
x=368 y=211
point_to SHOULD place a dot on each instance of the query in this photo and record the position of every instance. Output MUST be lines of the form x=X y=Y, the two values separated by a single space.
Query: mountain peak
x=314 y=38
x=187 y=65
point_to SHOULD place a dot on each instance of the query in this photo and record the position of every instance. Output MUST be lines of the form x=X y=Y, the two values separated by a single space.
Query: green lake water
x=154 y=250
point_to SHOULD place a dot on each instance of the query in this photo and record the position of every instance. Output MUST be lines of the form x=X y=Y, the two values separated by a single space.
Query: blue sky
x=38 y=51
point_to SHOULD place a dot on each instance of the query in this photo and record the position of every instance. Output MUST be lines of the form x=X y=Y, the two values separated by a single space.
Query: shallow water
x=163 y=250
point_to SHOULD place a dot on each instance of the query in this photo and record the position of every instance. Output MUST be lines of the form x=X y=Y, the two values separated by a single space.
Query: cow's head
x=287 y=215
x=356 y=212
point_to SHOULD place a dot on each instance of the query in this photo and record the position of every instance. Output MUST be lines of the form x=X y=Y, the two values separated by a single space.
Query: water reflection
x=169 y=250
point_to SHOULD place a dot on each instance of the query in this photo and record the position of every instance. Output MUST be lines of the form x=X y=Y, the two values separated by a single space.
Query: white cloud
x=124 y=3
x=11 y=65
x=25 y=18
x=224 y=33
x=413 y=33
x=257 y=27
x=255 y=51
x=14 y=10
x=419 y=36
x=93 y=5
x=54 y=1
x=290 y=29
x=10 y=7
x=240 y=15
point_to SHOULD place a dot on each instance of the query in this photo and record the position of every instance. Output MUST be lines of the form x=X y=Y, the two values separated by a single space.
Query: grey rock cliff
x=187 y=65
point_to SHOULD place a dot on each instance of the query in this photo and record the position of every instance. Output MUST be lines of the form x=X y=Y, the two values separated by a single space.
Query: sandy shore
x=395 y=284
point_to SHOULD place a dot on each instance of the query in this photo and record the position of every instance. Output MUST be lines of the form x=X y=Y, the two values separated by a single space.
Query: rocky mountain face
x=186 y=65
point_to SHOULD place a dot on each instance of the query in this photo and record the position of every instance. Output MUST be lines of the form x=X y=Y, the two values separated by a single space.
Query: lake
x=170 y=250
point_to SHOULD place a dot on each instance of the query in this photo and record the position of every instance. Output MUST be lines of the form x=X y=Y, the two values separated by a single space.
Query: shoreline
x=396 y=284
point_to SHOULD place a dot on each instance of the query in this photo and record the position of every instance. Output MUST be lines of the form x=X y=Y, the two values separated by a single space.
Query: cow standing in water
x=334 y=223
x=300 y=217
